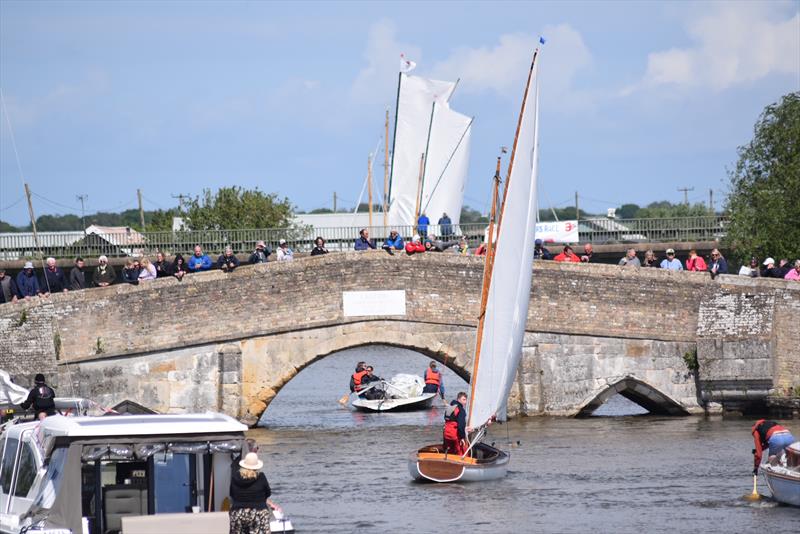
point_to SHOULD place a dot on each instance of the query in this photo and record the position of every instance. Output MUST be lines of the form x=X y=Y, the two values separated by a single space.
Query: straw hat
x=251 y=461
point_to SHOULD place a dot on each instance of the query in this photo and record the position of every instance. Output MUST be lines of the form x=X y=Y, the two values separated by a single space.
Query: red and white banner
x=557 y=231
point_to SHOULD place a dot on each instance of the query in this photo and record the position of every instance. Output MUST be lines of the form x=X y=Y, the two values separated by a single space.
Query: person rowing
x=771 y=436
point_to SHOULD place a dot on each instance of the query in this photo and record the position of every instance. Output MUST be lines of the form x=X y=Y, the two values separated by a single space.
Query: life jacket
x=765 y=430
x=451 y=422
x=433 y=377
x=357 y=378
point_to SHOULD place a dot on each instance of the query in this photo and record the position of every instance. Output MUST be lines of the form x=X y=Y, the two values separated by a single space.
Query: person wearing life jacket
x=433 y=380
x=771 y=436
x=41 y=397
x=455 y=426
x=376 y=392
x=359 y=367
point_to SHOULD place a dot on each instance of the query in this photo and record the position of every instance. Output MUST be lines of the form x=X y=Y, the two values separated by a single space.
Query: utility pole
x=711 y=201
x=386 y=169
x=577 y=212
x=83 y=198
x=686 y=193
x=369 y=187
x=334 y=202
x=33 y=217
x=141 y=210
x=180 y=197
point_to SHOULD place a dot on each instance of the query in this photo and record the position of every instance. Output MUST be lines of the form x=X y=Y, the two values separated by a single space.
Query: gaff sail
x=415 y=100
x=502 y=327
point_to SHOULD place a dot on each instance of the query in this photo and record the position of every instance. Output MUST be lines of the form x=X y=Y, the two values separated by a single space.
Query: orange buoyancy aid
x=357 y=378
x=433 y=377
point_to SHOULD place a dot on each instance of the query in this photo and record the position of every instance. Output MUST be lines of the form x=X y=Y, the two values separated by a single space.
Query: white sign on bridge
x=363 y=303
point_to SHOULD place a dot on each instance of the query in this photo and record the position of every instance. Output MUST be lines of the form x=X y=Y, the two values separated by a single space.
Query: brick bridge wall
x=230 y=341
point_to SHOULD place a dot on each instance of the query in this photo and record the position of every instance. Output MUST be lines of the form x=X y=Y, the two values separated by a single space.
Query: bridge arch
x=641 y=393
x=269 y=363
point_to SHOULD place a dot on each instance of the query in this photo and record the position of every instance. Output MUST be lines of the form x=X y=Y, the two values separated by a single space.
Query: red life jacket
x=451 y=425
x=433 y=377
x=357 y=377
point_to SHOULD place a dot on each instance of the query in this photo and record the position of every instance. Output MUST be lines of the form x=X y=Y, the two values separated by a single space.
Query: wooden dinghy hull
x=423 y=402
x=430 y=465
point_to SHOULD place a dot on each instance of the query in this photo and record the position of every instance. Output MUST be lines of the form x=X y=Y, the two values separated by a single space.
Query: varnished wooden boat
x=483 y=463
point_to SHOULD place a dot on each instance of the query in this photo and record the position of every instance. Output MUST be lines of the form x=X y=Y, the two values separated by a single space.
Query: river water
x=336 y=470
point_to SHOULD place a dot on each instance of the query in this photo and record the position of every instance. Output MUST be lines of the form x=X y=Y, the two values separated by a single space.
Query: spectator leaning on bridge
x=630 y=259
x=163 y=268
x=670 y=262
x=750 y=270
x=103 y=274
x=794 y=272
x=718 y=264
x=130 y=274
x=784 y=267
x=77 y=278
x=437 y=245
x=228 y=261
x=362 y=241
x=53 y=280
x=260 y=254
x=588 y=251
x=319 y=247
x=199 y=261
x=650 y=259
x=695 y=262
x=147 y=270
x=284 y=252
x=27 y=283
x=540 y=252
x=567 y=255
x=179 y=268
x=415 y=245
x=393 y=242
x=8 y=288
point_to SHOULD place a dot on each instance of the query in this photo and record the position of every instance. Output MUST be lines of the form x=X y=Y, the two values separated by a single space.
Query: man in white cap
x=769 y=269
x=670 y=263
x=103 y=274
x=284 y=252
x=260 y=254
x=27 y=283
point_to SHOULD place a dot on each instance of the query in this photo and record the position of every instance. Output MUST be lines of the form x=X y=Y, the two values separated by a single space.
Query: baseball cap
x=537 y=242
x=282 y=242
x=28 y=265
x=670 y=251
x=768 y=261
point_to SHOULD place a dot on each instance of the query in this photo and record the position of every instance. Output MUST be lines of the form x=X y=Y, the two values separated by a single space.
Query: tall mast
x=386 y=169
x=394 y=139
x=419 y=189
x=425 y=166
x=369 y=187
x=491 y=249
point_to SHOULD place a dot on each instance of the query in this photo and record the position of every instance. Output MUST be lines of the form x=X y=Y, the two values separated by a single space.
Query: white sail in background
x=498 y=356
x=447 y=164
x=414 y=106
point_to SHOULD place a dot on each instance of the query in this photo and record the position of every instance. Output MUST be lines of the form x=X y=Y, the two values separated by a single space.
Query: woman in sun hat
x=249 y=497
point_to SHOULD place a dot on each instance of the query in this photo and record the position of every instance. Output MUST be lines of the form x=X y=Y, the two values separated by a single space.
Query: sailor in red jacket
x=455 y=426
x=769 y=435
x=433 y=380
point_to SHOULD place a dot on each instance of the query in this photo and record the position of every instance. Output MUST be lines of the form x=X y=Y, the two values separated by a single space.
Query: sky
x=638 y=99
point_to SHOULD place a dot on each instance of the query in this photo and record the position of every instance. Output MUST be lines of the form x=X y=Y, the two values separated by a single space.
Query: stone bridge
x=229 y=342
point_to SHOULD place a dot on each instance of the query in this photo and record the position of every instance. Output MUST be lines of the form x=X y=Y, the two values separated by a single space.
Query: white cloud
x=734 y=43
x=379 y=77
x=502 y=68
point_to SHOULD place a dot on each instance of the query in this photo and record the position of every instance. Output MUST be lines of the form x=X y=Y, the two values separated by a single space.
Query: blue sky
x=638 y=99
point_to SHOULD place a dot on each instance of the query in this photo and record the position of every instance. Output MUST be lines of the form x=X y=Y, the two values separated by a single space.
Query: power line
x=20 y=199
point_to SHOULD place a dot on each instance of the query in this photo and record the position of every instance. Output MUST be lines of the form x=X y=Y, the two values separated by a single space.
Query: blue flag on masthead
x=541 y=39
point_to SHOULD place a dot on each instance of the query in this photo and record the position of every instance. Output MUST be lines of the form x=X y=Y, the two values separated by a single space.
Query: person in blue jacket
x=422 y=225
x=363 y=242
x=27 y=283
x=393 y=242
x=445 y=226
x=199 y=261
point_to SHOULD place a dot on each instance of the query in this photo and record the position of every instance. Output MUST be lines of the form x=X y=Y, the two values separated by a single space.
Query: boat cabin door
x=174 y=483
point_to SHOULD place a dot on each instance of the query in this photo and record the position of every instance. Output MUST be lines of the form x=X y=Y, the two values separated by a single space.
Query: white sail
x=498 y=356
x=414 y=106
x=447 y=164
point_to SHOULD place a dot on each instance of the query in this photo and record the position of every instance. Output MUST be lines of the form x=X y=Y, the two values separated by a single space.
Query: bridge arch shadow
x=639 y=392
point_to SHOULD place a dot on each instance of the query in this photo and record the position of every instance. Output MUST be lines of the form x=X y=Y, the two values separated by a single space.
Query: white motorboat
x=129 y=474
x=402 y=393
x=784 y=479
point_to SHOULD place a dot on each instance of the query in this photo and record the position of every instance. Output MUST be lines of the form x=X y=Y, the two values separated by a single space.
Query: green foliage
x=665 y=210
x=321 y=210
x=98 y=348
x=57 y=345
x=364 y=207
x=628 y=211
x=690 y=357
x=469 y=215
x=563 y=214
x=234 y=208
x=23 y=318
x=6 y=227
x=764 y=201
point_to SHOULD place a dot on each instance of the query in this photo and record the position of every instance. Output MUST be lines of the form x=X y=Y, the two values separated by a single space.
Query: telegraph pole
x=141 y=210
x=686 y=193
x=83 y=198
x=369 y=187
x=577 y=211
x=711 y=201
x=334 y=202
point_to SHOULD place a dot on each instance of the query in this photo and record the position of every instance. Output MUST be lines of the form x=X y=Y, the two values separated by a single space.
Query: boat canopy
x=141 y=425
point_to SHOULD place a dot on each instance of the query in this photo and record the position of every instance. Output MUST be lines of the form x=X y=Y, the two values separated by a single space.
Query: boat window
x=51 y=482
x=27 y=471
x=7 y=470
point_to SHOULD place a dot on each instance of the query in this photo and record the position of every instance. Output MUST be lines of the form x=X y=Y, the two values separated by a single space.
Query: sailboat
x=504 y=309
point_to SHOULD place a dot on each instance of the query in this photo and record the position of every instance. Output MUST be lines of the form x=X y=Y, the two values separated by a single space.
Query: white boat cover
x=10 y=393
x=414 y=107
x=497 y=358
x=405 y=386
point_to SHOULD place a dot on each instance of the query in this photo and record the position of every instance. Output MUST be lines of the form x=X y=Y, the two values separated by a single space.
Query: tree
x=665 y=209
x=563 y=214
x=627 y=211
x=6 y=227
x=764 y=199
x=470 y=215
x=234 y=208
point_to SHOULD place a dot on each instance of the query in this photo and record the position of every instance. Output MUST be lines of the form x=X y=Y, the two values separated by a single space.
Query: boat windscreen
x=143 y=451
x=51 y=482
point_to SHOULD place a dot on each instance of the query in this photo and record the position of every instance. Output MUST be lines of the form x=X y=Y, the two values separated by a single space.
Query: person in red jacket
x=455 y=426
x=772 y=436
x=568 y=255
x=415 y=245
x=695 y=262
